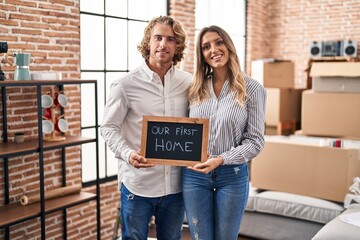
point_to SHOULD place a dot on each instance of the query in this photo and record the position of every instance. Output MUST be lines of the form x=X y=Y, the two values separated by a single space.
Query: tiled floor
x=185 y=235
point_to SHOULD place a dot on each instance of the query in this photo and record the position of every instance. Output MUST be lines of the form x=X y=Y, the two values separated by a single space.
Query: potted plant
x=19 y=137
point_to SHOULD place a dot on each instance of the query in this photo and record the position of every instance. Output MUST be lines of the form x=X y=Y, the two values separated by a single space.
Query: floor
x=185 y=235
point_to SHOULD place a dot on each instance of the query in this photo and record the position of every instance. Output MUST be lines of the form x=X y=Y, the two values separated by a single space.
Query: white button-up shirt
x=236 y=132
x=139 y=93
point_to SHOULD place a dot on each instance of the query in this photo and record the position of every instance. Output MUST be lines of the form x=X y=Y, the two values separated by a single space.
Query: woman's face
x=214 y=51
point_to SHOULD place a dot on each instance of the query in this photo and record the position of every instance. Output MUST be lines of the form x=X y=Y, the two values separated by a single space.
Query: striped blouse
x=236 y=132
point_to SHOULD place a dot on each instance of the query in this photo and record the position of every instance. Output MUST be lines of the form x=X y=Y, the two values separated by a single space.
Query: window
x=109 y=33
x=227 y=14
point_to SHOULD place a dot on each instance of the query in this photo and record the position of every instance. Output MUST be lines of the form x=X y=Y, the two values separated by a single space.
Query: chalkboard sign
x=178 y=141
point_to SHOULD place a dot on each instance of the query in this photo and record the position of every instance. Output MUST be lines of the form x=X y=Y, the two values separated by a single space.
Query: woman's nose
x=213 y=48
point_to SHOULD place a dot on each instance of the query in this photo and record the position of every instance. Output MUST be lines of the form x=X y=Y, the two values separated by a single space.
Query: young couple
x=213 y=193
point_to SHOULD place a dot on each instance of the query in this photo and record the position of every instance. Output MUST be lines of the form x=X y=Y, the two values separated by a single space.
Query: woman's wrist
x=221 y=159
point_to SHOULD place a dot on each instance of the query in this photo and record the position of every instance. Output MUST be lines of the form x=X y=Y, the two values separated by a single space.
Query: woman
x=215 y=192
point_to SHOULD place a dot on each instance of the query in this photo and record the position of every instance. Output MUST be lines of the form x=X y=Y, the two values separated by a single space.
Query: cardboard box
x=336 y=77
x=273 y=74
x=282 y=105
x=305 y=169
x=271 y=130
x=330 y=114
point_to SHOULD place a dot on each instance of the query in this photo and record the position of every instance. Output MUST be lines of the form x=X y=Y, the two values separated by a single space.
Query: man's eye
x=171 y=39
x=157 y=38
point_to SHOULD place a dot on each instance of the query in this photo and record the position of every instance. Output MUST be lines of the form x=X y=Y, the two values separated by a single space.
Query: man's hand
x=138 y=161
x=207 y=166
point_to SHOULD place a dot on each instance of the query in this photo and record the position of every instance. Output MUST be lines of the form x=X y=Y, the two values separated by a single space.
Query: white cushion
x=252 y=195
x=297 y=206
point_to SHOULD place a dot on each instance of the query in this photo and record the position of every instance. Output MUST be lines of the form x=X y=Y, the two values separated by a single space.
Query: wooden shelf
x=31 y=146
x=15 y=212
x=335 y=58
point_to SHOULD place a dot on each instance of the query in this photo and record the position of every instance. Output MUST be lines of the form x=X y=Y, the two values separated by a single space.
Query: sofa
x=289 y=171
x=337 y=229
x=278 y=215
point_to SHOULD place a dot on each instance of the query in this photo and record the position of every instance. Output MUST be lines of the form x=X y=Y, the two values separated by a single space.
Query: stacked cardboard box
x=332 y=107
x=303 y=164
x=283 y=104
x=336 y=77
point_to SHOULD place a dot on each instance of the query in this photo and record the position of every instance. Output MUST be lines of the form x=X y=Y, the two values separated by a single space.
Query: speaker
x=331 y=49
x=315 y=49
x=349 y=48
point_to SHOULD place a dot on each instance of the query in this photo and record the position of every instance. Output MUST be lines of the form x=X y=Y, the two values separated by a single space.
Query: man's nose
x=163 y=42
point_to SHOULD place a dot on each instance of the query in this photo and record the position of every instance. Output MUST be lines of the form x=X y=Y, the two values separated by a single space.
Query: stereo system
x=346 y=48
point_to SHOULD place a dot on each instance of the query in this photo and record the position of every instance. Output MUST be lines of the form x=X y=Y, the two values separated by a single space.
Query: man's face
x=162 y=45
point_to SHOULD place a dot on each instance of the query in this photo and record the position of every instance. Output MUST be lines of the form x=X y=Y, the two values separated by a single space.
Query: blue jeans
x=215 y=202
x=136 y=212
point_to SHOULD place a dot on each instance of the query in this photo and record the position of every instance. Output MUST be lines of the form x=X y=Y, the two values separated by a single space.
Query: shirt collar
x=224 y=89
x=151 y=74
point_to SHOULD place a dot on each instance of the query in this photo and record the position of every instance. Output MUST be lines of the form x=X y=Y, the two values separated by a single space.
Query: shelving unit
x=14 y=213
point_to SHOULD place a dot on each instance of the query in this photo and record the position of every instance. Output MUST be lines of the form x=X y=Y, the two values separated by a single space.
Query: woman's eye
x=205 y=47
x=220 y=42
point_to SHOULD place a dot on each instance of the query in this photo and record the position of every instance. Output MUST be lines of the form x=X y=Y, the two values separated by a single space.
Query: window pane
x=116 y=52
x=88 y=157
x=93 y=6
x=201 y=13
x=148 y=9
x=137 y=32
x=116 y=44
x=240 y=48
x=156 y=8
x=241 y=6
x=136 y=12
x=87 y=98
x=116 y=8
x=206 y=15
x=92 y=42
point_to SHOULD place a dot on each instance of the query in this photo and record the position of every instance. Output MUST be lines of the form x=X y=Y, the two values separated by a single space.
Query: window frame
x=104 y=175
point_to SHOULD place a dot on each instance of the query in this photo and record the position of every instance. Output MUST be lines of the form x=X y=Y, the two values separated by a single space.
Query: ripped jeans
x=136 y=212
x=215 y=202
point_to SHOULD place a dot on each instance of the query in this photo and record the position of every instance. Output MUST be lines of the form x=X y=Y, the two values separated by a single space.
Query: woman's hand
x=138 y=161
x=208 y=166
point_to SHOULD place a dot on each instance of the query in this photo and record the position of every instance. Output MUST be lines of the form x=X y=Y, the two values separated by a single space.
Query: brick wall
x=49 y=30
x=283 y=29
x=183 y=11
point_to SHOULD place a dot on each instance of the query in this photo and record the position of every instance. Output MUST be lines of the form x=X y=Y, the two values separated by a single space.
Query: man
x=155 y=88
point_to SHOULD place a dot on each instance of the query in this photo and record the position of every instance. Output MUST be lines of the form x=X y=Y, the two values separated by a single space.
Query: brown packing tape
x=59 y=192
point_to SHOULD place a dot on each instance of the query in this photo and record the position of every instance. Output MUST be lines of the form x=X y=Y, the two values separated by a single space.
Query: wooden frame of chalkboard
x=177 y=141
